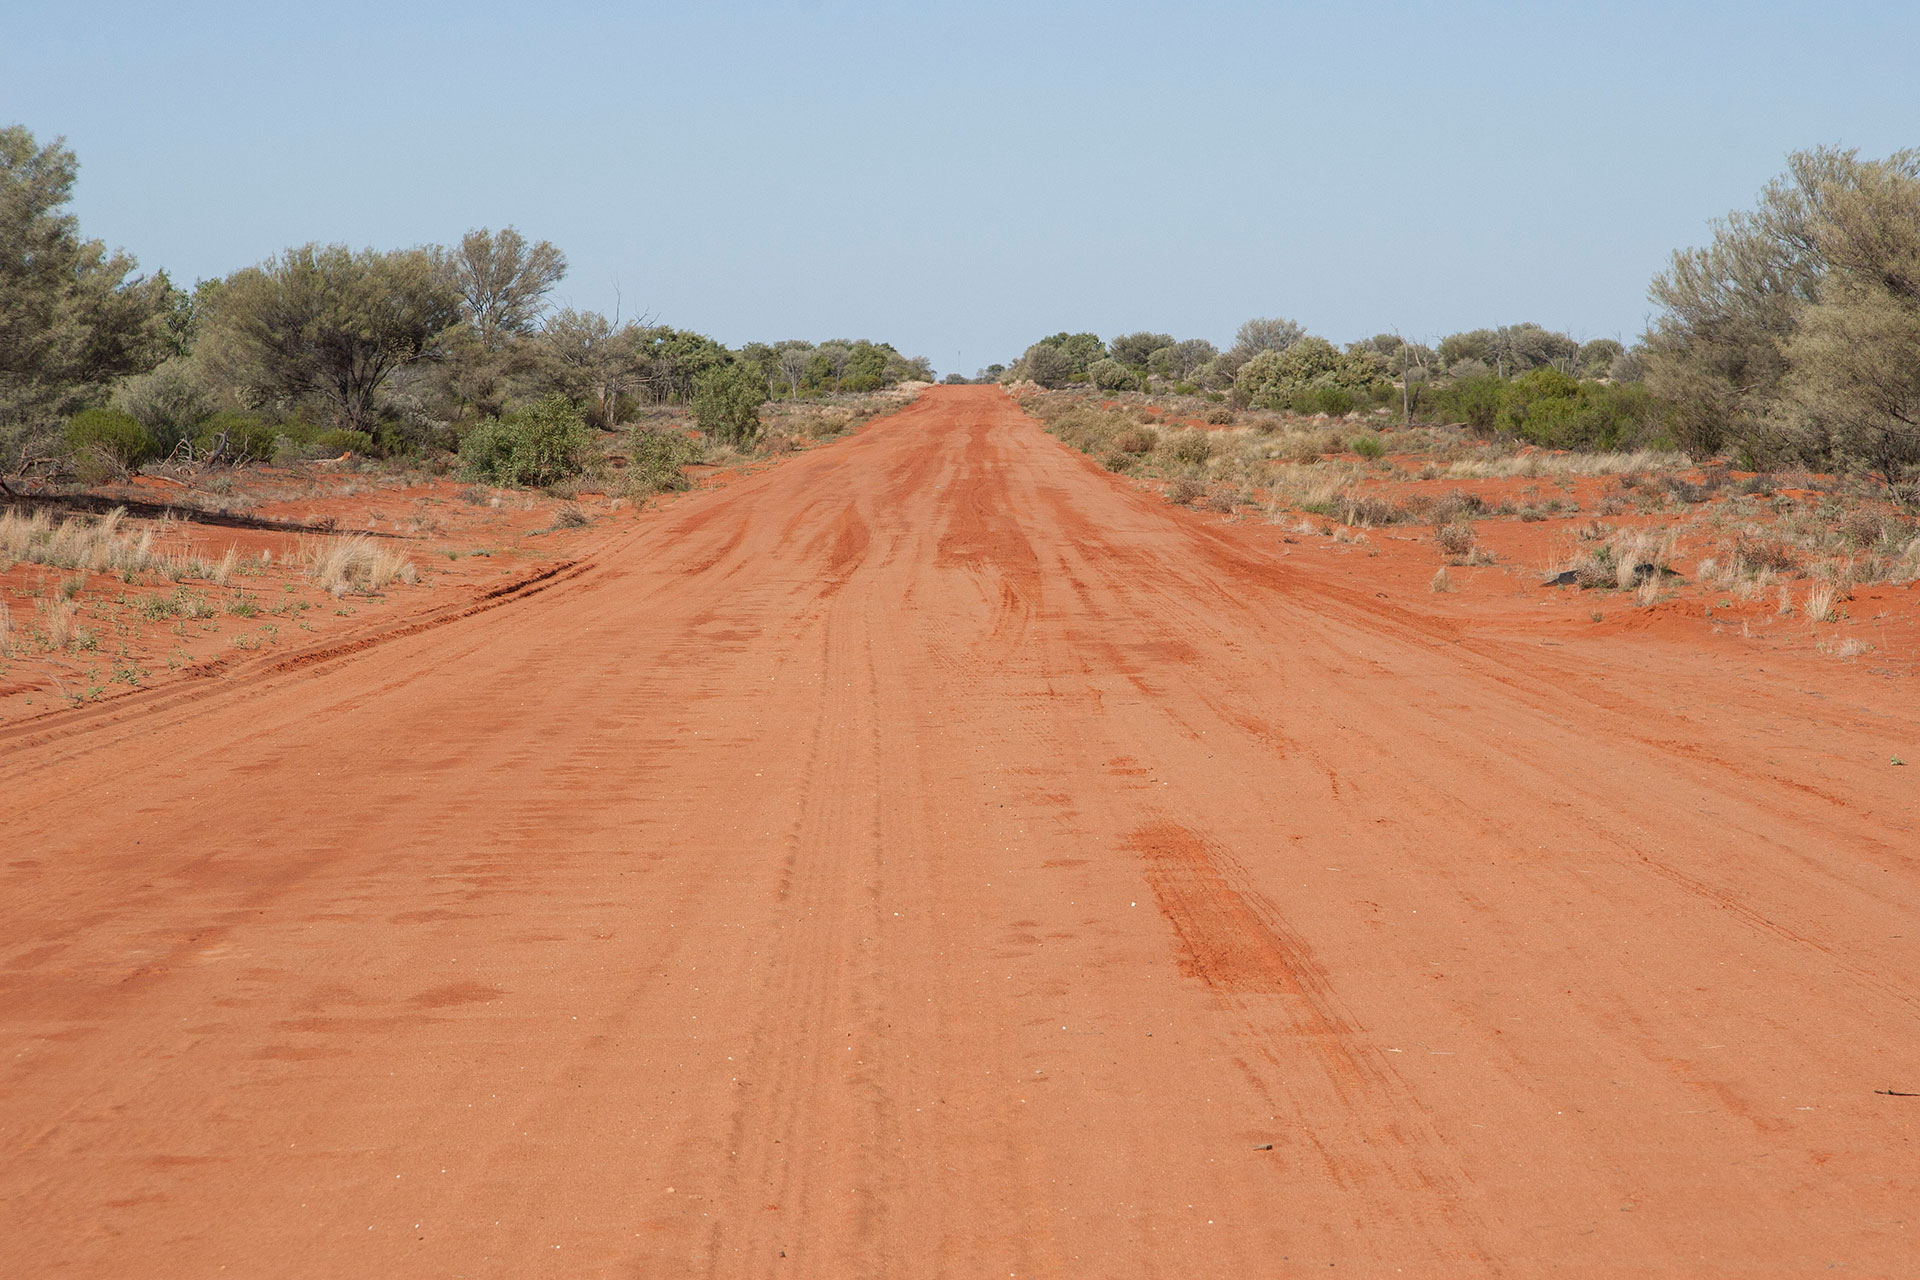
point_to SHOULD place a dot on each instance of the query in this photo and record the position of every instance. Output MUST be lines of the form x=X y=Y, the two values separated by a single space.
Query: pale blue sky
x=959 y=180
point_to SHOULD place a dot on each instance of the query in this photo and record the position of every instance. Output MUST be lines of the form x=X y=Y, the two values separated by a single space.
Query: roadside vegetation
x=360 y=419
x=1788 y=342
x=438 y=358
x=1764 y=433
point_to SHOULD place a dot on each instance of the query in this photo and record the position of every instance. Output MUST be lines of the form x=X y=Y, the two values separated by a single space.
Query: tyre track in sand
x=934 y=857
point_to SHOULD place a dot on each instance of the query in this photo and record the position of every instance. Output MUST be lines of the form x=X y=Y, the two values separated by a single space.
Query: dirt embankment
x=936 y=856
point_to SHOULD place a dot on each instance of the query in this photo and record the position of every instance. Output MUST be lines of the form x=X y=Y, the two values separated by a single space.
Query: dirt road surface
x=934 y=857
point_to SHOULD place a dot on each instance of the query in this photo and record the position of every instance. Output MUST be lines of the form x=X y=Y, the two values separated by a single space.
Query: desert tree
x=1045 y=364
x=1853 y=359
x=583 y=358
x=1272 y=378
x=170 y=403
x=1265 y=333
x=1716 y=354
x=73 y=317
x=1135 y=349
x=327 y=325
x=671 y=361
x=504 y=282
x=1191 y=355
x=792 y=358
x=829 y=363
x=1080 y=349
x=1597 y=358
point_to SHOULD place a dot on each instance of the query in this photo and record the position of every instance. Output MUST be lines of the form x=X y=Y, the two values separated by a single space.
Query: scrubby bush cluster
x=1791 y=340
x=324 y=350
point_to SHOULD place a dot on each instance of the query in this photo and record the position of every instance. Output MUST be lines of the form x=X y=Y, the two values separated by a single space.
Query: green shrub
x=112 y=437
x=1372 y=448
x=298 y=442
x=1548 y=408
x=539 y=445
x=1111 y=375
x=1475 y=400
x=726 y=403
x=655 y=458
x=1332 y=401
x=339 y=440
x=486 y=451
x=232 y=436
x=1312 y=367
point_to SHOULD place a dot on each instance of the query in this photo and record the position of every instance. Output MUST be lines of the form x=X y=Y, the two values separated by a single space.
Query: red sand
x=934 y=856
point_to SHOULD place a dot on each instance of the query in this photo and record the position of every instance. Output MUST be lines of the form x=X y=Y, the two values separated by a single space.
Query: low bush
x=1548 y=408
x=232 y=436
x=1189 y=448
x=111 y=437
x=531 y=447
x=655 y=458
x=1455 y=540
x=1333 y=401
x=1111 y=375
x=1182 y=490
x=1369 y=447
x=296 y=442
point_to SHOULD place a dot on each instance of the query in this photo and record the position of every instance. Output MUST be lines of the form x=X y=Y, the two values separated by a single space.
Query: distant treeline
x=324 y=348
x=1793 y=339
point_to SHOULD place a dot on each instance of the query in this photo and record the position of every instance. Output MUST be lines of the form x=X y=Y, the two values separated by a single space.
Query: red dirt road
x=932 y=857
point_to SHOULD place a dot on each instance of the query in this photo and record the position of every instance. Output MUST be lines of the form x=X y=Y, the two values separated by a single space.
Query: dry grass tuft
x=1819 y=606
x=74 y=543
x=56 y=621
x=1625 y=560
x=355 y=563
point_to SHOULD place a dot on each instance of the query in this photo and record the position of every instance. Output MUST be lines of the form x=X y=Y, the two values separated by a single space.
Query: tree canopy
x=73 y=316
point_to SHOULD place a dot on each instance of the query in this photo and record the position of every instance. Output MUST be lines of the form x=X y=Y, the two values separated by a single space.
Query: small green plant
x=1369 y=447
x=540 y=445
x=655 y=457
x=106 y=441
